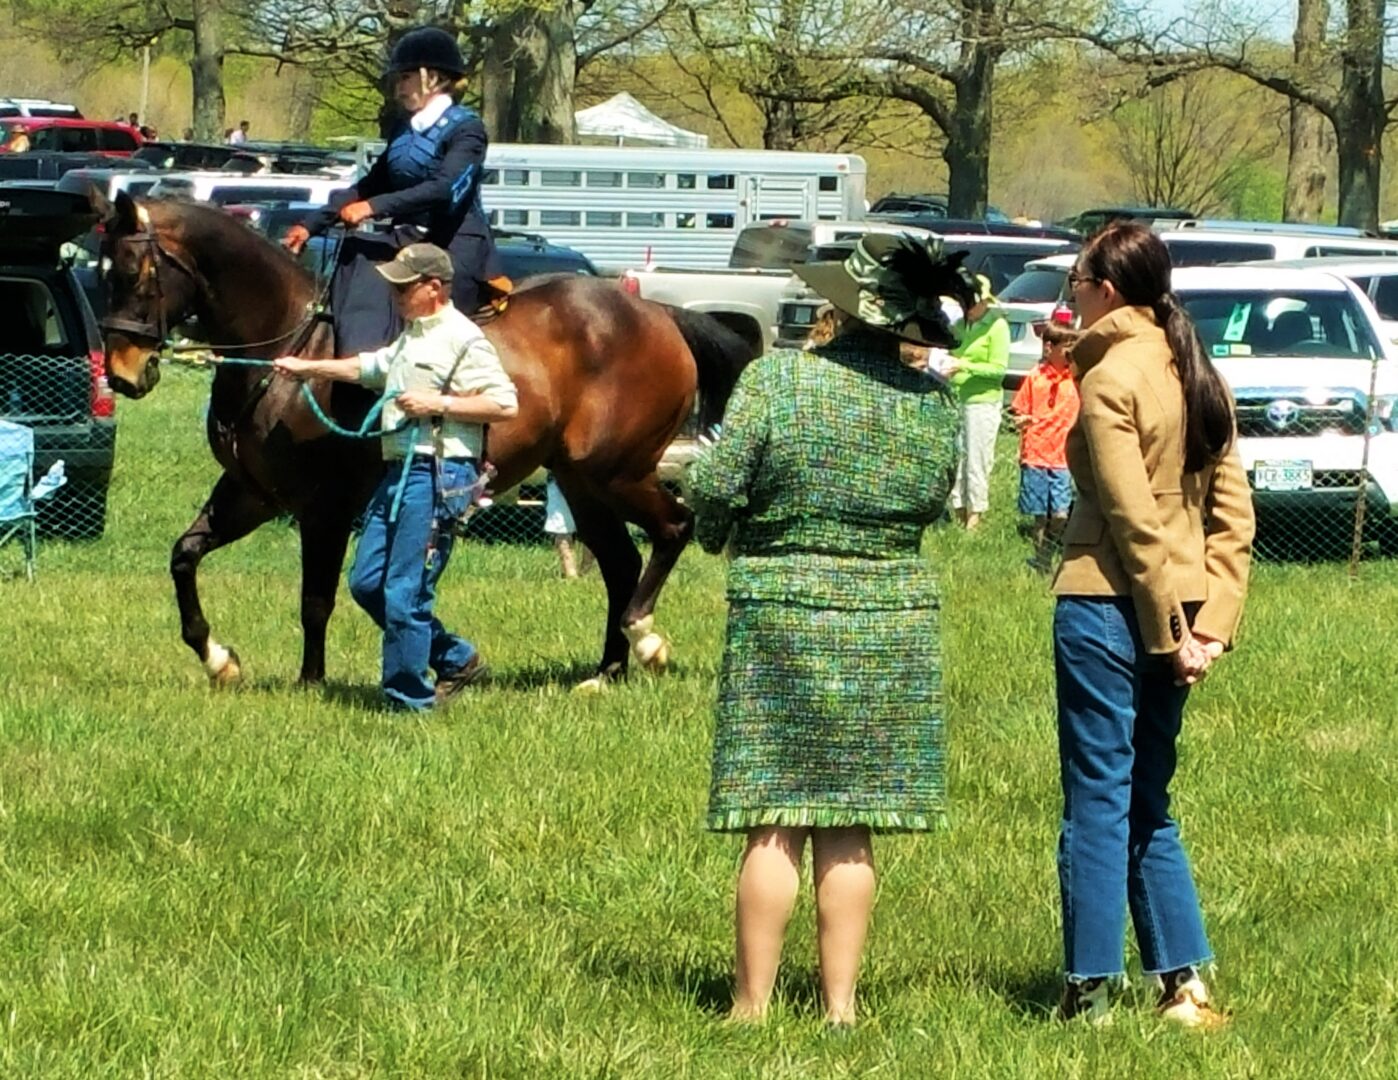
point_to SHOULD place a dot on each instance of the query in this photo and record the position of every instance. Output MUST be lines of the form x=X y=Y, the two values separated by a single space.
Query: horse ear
x=125 y=216
x=101 y=205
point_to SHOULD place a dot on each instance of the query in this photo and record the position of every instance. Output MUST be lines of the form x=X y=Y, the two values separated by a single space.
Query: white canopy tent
x=626 y=120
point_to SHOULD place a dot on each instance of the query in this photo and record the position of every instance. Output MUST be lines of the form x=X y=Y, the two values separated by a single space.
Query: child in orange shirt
x=1045 y=407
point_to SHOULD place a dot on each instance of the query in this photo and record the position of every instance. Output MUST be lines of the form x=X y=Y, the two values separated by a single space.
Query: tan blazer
x=1142 y=527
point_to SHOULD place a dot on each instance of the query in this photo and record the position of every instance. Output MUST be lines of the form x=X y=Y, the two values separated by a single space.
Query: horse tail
x=720 y=355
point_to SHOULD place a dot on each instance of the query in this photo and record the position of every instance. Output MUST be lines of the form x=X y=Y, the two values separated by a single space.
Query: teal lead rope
x=368 y=429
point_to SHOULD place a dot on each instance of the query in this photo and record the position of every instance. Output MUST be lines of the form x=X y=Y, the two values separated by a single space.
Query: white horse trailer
x=626 y=206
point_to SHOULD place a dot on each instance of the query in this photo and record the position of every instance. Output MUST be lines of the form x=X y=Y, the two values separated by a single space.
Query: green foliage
x=1259 y=192
x=280 y=882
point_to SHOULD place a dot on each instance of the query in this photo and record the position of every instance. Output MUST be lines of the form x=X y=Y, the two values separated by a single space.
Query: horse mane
x=202 y=222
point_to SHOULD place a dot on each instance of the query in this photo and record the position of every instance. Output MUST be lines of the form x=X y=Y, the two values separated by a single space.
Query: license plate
x=1282 y=476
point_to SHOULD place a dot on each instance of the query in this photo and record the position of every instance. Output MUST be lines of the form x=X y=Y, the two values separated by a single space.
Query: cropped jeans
x=1119 y=714
x=396 y=568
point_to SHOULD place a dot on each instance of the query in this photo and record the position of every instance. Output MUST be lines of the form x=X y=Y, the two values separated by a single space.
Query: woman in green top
x=831 y=465
x=977 y=374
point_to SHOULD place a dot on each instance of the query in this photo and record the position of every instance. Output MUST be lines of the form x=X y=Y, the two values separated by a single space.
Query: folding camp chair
x=18 y=492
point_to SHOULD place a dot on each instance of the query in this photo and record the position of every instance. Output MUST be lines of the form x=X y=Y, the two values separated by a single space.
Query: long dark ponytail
x=1137 y=263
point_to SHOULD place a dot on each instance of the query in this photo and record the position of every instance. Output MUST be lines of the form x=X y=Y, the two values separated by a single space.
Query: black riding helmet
x=426 y=47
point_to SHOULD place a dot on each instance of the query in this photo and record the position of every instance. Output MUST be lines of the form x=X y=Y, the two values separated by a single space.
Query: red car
x=21 y=133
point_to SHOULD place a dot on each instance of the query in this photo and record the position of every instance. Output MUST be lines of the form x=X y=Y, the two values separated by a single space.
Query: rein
x=366 y=430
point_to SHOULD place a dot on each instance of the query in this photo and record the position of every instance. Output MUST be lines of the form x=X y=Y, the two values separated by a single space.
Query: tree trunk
x=1361 y=118
x=206 y=69
x=1310 y=143
x=529 y=73
x=781 y=125
x=967 y=152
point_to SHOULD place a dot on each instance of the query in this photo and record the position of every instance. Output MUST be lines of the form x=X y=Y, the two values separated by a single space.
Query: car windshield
x=1041 y=286
x=1240 y=323
x=1214 y=252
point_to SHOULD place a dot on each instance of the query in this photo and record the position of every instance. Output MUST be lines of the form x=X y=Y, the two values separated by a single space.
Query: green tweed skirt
x=829 y=718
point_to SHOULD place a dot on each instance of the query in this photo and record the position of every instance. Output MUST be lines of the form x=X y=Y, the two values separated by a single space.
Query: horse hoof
x=223 y=667
x=594 y=685
x=652 y=652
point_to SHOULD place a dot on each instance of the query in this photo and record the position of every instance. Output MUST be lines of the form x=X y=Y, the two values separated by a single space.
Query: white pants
x=558 y=518
x=980 y=424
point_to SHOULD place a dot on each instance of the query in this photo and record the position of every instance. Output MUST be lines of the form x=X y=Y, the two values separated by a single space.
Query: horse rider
x=426 y=185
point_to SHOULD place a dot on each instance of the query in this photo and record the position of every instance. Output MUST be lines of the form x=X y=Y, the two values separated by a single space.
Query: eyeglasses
x=1075 y=279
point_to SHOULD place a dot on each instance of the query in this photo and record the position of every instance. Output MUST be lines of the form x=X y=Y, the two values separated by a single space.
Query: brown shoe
x=1184 y=1000
x=453 y=682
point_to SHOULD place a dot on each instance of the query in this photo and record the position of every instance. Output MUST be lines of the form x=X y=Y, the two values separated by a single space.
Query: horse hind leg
x=230 y=513
x=669 y=524
x=605 y=534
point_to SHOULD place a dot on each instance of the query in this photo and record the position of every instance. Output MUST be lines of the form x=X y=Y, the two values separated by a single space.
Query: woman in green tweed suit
x=831 y=464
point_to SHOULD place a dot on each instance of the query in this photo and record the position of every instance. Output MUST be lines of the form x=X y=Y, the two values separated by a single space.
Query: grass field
x=279 y=882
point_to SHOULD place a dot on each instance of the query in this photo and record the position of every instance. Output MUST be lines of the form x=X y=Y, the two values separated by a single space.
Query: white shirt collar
x=429 y=114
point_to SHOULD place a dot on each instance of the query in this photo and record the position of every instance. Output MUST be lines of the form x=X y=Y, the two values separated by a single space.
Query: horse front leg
x=323 y=544
x=230 y=513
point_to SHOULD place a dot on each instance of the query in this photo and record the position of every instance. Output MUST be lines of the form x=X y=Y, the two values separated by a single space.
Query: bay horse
x=605 y=381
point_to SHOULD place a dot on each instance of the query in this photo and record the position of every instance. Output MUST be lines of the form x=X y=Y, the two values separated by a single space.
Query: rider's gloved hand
x=295 y=238
x=355 y=212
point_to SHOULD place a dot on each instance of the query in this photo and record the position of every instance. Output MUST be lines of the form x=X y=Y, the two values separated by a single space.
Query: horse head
x=152 y=285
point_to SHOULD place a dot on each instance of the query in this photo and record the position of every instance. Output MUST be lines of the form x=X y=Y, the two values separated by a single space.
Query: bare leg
x=563 y=544
x=767 y=884
x=230 y=513
x=844 y=887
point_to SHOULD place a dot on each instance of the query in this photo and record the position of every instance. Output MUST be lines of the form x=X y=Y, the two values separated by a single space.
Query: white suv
x=1300 y=349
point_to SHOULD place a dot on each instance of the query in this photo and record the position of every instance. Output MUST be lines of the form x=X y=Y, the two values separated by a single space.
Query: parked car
x=51 y=359
x=1298 y=348
x=1034 y=297
x=930 y=205
x=37 y=107
x=136 y=179
x=747 y=295
x=1000 y=257
x=1088 y=222
x=973 y=226
x=246 y=158
x=49 y=166
x=225 y=188
x=68 y=135
x=1375 y=277
x=1198 y=243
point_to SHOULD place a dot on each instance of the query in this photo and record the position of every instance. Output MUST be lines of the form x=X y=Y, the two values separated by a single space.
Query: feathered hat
x=896 y=281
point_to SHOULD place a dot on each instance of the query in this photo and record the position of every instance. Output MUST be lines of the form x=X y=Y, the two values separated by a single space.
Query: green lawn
x=277 y=882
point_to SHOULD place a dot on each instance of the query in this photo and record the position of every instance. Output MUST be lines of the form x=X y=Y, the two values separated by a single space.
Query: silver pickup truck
x=747 y=295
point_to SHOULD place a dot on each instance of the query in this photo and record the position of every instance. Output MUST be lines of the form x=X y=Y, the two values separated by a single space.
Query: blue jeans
x=394 y=578
x=1119 y=714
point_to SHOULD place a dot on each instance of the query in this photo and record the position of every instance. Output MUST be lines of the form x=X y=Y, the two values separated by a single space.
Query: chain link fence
x=61 y=400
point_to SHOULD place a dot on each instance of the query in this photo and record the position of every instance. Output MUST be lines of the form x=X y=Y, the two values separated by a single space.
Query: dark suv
x=51 y=361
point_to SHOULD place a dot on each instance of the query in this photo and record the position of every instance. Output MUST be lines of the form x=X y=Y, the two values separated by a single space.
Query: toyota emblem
x=1281 y=414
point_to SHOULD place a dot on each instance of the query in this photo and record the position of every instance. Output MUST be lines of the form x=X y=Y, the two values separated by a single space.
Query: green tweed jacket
x=830 y=466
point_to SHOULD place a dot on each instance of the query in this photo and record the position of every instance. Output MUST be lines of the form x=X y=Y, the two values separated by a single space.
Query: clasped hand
x=1194 y=658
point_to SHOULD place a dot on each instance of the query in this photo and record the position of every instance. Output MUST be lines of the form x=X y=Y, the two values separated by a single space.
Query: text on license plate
x=1282 y=476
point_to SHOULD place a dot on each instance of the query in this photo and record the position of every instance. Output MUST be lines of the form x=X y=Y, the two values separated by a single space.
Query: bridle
x=158 y=331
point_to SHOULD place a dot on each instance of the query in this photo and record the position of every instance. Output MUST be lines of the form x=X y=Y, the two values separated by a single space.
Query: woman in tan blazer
x=1150 y=591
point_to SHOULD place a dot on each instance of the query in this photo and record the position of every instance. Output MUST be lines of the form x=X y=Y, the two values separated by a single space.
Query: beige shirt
x=431 y=351
x=1141 y=526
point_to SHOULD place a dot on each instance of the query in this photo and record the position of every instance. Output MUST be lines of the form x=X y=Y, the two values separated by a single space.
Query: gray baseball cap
x=415 y=262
